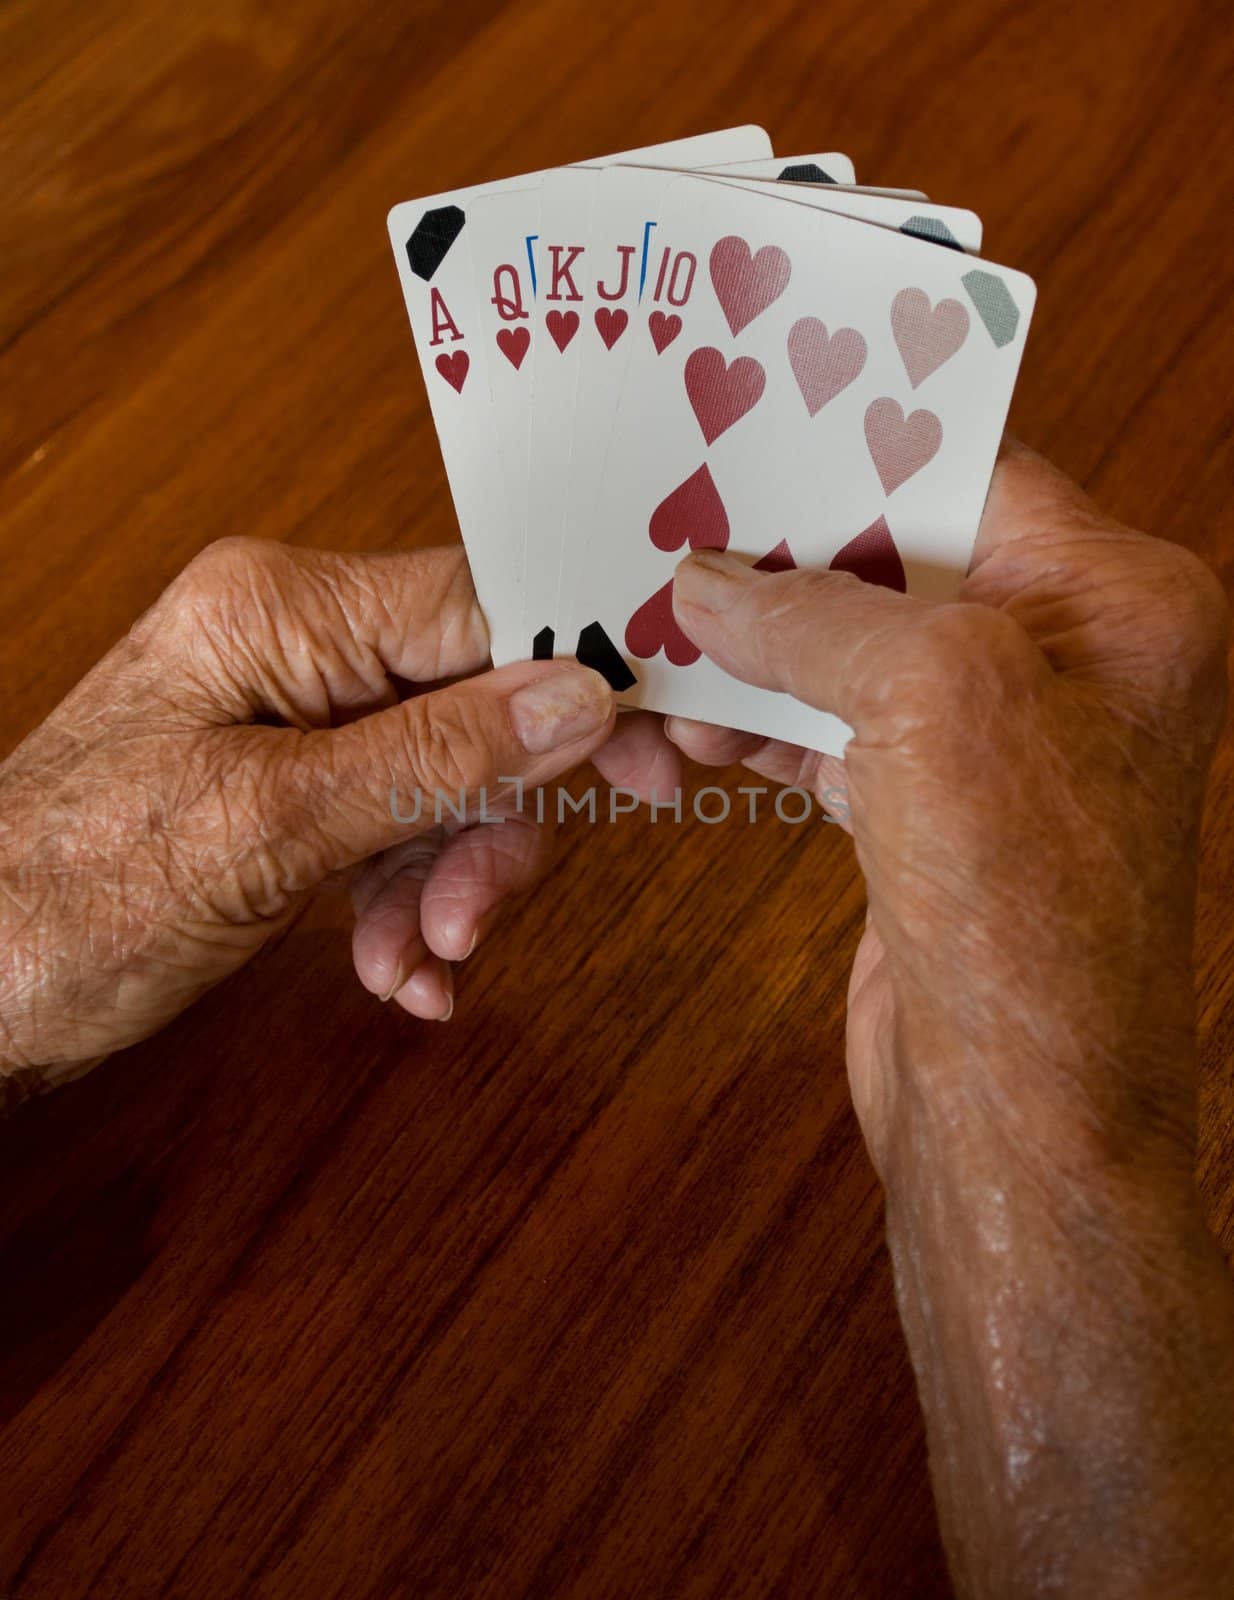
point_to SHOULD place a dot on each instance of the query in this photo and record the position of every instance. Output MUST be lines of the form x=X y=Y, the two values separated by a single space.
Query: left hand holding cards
x=264 y=711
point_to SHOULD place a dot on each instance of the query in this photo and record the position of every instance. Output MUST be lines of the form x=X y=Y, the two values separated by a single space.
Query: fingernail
x=447 y=983
x=401 y=976
x=455 y=932
x=555 y=710
x=710 y=580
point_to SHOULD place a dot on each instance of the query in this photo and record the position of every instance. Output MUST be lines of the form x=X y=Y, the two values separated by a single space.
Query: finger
x=310 y=636
x=339 y=795
x=386 y=943
x=825 y=637
x=787 y=764
x=825 y=777
x=482 y=867
x=474 y=875
x=831 y=788
x=429 y=992
x=639 y=757
x=710 y=745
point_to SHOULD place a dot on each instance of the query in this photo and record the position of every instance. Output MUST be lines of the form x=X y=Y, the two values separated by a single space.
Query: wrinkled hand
x=1024 y=787
x=238 y=750
x=1025 y=783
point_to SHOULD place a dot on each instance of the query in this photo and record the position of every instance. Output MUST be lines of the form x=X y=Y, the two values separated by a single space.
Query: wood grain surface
x=585 y=1293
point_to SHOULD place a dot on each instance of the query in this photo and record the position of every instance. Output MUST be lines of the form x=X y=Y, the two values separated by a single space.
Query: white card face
x=574 y=319
x=501 y=237
x=596 y=265
x=440 y=295
x=631 y=198
x=836 y=397
x=830 y=167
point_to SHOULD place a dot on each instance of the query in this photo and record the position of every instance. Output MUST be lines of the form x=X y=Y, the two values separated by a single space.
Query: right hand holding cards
x=628 y=359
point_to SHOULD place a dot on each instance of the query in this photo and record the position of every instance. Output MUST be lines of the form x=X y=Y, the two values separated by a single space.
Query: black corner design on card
x=807 y=172
x=542 y=645
x=597 y=650
x=431 y=239
x=932 y=229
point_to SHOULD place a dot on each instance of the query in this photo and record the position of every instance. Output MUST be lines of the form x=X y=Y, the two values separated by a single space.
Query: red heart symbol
x=611 y=325
x=778 y=560
x=873 y=557
x=513 y=344
x=664 y=329
x=926 y=336
x=721 y=394
x=562 y=325
x=900 y=445
x=746 y=284
x=823 y=365
x=453 y=367
x=693 y=511
x=653 y=627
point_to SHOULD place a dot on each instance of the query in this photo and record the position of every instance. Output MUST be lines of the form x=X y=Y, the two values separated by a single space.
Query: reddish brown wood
x=584 y=1294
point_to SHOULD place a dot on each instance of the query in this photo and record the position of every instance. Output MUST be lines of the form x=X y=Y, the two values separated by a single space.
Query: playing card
x=571 y=322
x=953 y=226
x=830 y=167
x=520 y=349
x=835 y=396
x=440 y=293
x=503 y=230
x=623 y=220
x=596 y=268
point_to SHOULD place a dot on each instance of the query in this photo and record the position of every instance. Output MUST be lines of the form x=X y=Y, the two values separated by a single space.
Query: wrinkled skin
x=1024 y=788
x=235 y=753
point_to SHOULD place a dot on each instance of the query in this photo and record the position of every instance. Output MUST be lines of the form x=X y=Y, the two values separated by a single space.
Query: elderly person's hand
x=1024 y=787
x=239 y=749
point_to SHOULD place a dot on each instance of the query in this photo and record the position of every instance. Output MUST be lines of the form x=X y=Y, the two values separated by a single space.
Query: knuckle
x=958 y=654
x=225 y=606
x=226 y=562
x=230 y=575
x=1168 y=623
x=977 y=645
x=1192 y=639
x=205 y=589
x=1195 y=601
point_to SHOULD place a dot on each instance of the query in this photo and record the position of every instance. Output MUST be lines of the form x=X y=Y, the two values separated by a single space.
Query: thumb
x=354 y=789
x=826 y=638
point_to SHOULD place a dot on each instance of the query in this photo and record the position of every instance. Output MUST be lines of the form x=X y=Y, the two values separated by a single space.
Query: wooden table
x=584 y=1294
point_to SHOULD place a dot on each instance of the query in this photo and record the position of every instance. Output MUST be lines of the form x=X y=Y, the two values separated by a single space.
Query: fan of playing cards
x=700 y=345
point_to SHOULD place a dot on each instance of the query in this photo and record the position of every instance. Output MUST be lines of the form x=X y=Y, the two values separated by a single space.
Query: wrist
x=964 y=1165
x=1088 y=1094
x=1071 y=1325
